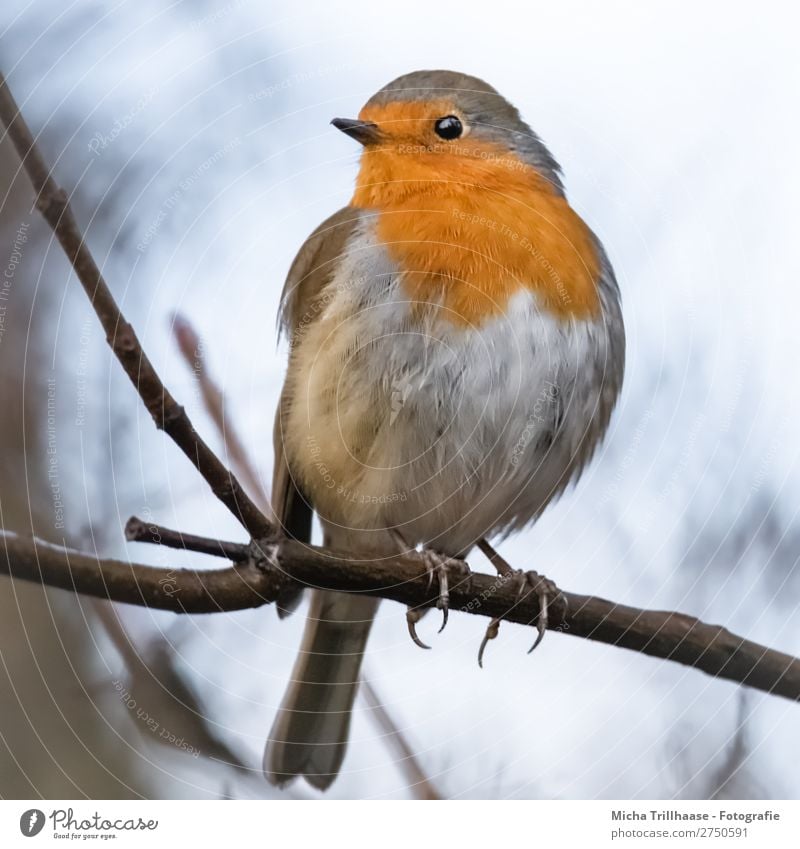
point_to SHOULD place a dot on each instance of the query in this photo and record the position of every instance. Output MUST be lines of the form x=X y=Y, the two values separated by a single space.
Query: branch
x=419 y=783
x=177 y=590
x=671 y=636
x=191 y=349
x=137 y=530
x=167 y=414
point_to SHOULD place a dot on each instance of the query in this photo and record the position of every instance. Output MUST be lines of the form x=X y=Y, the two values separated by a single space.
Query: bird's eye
x=449 y=127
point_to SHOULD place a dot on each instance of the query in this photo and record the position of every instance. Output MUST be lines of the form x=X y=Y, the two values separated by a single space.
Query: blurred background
x=195 y=141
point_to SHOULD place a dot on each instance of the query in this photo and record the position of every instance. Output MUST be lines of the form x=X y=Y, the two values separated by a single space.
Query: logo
x=31 y=822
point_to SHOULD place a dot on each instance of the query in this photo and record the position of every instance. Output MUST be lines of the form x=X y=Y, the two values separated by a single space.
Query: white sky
x=677 y=127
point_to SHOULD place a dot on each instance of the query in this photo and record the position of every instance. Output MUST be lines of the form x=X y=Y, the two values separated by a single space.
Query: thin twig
x=167 y=414
x=189 y=344
x=137 y=530
x=419 y=783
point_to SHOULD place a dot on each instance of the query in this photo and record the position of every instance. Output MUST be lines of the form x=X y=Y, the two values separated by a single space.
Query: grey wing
x=607 y=372
x=310 y=272
x=603 y=376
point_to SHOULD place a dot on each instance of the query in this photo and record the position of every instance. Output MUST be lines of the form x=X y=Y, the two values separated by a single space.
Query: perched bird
x=456 y=349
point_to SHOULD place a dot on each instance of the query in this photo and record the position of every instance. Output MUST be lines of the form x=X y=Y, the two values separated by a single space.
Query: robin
x=456 y=350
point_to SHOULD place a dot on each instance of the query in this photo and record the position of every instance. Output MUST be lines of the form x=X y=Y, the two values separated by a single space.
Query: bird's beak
x=364 y=132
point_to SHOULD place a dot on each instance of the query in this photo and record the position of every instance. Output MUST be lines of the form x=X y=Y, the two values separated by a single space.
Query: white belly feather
x=401 y=418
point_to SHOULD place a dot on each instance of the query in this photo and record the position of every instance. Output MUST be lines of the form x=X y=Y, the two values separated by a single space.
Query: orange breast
x=471 y=226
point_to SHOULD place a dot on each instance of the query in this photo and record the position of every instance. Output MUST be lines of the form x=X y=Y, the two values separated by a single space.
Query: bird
x=456 y=349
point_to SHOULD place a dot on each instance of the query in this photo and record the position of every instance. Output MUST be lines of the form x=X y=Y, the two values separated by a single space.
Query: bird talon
x=412 y=617
x=443 y=602
x=437 y=565
x=541 y=624
x=492 y=630
x=544 y=589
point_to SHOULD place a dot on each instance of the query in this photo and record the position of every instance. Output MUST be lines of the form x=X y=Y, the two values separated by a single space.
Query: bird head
x=428 y=130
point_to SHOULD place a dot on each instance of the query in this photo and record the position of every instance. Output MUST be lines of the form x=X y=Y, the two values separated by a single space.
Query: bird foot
x=545 y=589
x=527 y=583
x=438 y=567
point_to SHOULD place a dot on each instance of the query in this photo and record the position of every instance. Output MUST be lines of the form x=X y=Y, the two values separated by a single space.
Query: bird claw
x=529 y=582
x=413 y=615
x=443 y=601
x=436 y=566
x=545 y=589
x=491 y=632
x=440 y=566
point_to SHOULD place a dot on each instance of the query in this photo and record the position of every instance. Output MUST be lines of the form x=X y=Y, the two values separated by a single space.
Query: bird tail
x=309 y=735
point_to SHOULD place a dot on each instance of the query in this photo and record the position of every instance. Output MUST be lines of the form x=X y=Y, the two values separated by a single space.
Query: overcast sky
x=198 y=137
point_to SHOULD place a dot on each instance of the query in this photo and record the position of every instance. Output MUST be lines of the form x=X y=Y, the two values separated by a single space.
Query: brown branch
x=671 y=636
x=177 y=590
x=190 y=347
x=136 y=530
x=167 y=414
x=419 y=783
